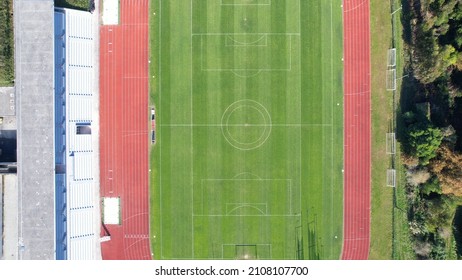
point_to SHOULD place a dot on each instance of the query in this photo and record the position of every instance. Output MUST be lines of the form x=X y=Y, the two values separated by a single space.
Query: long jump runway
x=357 y=134
x=124 y=130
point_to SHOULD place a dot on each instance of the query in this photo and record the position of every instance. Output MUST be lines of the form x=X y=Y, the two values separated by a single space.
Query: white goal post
x=391 y=143
x=391 y=178
x=391 y=79
x=391 y=57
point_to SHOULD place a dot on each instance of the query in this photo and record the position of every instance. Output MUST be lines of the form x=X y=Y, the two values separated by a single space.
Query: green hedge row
x=6 y=43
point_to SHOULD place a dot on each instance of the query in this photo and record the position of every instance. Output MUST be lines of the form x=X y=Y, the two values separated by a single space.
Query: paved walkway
x=10 y=223
x=96 y=120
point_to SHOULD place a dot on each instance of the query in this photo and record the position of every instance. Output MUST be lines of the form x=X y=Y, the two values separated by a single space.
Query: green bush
x=73 y=4
x=424 y=140
x=431 y=186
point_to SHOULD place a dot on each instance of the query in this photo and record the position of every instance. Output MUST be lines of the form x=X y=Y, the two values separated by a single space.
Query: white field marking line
x=246 y=76
x=256 y=125
x=268 y=3
x=245 y=44
x=244 y=173
x=124 y=208
x=202 y=198
x=289 y=53
x=236 y=206
x=300 y=108
x=192 y=143
x=272 y=215
x=245 y=125
x=202 y=53
x=297 y=34
x=243 y=69
x=258 y=33
x=191 y=259
x=290 y=196
x=250 y=147
x=357 y=93
x=343 y=132
x=160 y=136
x=235 y=244
x=288 y=186
x=217 y=179
x=252 y=69
x=332 y=121
x=355 y=7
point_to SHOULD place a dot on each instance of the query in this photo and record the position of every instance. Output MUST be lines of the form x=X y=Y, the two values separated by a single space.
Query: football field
x=249 y=121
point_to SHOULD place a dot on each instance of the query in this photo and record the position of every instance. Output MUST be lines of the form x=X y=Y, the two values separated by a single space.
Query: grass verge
x=154 y=44
x=382 y=196
x=6 y=44
x=389 y=227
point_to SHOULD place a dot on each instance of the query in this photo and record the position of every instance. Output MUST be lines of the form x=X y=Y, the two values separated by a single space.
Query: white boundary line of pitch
x=270 y=245
x=300 y=118
x=289 y=53
x=192 y=122
x=332 y=121
x=290 y=186
x=160 y=134
x=255 y=125
x=249 y=4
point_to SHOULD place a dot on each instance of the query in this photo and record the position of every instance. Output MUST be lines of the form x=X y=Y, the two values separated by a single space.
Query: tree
x=447 y=166
x=433 y=42
x=431 y=186
x=440 y=212
x=424 y=140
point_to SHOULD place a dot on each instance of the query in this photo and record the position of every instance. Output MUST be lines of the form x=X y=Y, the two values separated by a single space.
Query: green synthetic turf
x=248 y=159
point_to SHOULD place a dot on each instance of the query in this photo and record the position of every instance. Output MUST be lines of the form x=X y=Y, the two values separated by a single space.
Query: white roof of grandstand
x=83 y=191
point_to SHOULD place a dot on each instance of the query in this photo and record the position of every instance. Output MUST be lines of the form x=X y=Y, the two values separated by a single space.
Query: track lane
x=124 y=129
x=357 y=158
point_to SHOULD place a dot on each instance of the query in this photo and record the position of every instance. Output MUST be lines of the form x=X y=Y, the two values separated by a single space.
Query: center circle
x=246 y=124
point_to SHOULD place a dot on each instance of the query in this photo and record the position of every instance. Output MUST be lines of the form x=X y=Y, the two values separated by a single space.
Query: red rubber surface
x=357 y=135
x=124 y=117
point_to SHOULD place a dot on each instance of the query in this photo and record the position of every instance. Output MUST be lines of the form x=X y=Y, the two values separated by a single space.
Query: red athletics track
x=124 y=129
x=357 y=134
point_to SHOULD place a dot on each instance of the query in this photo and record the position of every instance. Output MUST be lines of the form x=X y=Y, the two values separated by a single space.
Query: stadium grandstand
x=77 y=229
x=56 y=214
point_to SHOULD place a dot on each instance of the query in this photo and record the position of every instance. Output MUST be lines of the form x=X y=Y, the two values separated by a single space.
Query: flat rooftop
x=7 y=102
x=34 y=62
